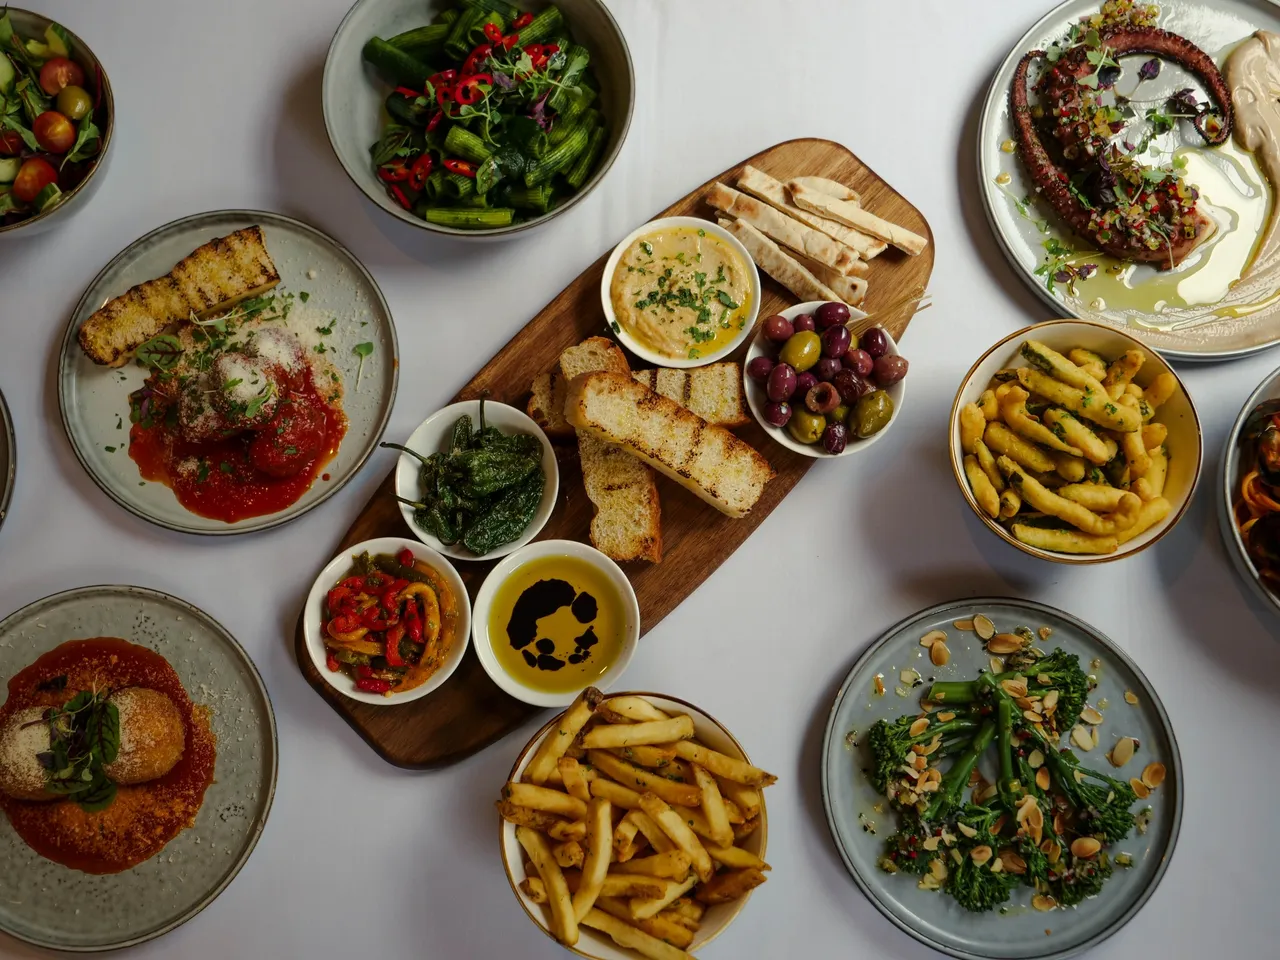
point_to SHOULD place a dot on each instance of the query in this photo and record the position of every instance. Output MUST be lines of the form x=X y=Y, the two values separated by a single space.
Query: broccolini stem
x=957 y=778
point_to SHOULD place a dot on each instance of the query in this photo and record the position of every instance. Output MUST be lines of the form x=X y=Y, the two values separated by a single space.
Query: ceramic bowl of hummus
x=680 y=292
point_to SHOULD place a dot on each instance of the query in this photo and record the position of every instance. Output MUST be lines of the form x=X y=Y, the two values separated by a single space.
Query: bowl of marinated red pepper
x=477 y=119
x=387 y=621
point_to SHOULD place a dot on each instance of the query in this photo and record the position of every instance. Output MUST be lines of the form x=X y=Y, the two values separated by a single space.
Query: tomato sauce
x=144 y=817
x=226 y=486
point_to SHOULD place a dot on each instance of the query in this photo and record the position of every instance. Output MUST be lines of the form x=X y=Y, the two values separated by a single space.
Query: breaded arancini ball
x=152 y=735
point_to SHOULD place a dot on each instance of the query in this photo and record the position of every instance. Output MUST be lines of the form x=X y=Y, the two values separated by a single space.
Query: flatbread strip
x=854 y=216
x=851 y=290
x=782 y=228
x=211 y=279
x=760 y=184
x=770 y=258
x=832 y=188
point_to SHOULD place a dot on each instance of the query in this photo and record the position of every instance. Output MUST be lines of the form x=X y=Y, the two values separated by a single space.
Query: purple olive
x=831 y=314
x=822 y=398
x=835 y=341
x=889 y=370
x=826 y=368
x=834 y=438
x=778 y=328
x=859 y=361
x=850 y=386
x=759 y=368
x=875 y=341
x=782 y=382
x=777 y=414
x=804 y=383
x=804 y=322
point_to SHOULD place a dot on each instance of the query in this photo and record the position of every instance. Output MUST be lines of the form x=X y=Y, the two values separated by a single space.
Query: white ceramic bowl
x=329 y=577
x=592 y=943
x=757 y=398
x=432 y=436
x=651 y=356
x=1184 y=443
x=553 y=548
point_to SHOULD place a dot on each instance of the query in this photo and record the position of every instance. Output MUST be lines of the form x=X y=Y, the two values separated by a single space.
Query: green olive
x=74 y=102
x=872 y=414
x=802 y=350
x=806 y=427
x=840 y=414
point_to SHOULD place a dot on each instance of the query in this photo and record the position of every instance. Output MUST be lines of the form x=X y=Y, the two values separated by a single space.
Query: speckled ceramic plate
x=50 y=905
x=8 y=459
x=1239 y=321
x=1020 y=933
x=95 y=399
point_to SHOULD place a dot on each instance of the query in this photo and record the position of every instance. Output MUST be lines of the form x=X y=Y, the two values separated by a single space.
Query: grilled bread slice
x=628 y=520
x=546 y=406
x=713 y=392
x=210 y=280
x=709 y=460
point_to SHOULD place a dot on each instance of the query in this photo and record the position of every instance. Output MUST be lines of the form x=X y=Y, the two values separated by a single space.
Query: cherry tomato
x=58 y=73
x=75 y=102
x=34 y=175
x=54 y=132
x=10 y=143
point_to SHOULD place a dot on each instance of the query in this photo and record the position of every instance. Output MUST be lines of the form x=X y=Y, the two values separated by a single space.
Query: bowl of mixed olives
x=819 y=388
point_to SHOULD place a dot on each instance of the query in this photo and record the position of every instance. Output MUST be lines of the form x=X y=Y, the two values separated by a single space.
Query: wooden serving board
x=469 y=711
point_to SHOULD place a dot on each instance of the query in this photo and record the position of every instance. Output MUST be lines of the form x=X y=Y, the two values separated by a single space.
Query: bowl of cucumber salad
x=477 y=118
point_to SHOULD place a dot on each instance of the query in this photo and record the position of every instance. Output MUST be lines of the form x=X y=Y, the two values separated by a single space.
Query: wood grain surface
x=469 y=712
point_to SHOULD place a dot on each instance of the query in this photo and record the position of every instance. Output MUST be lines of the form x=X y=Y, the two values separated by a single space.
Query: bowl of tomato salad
x=58 y=113
x=387 y=621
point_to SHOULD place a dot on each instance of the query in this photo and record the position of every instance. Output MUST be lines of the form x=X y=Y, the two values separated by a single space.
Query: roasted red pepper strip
x=435 y=120
x=468 y=91
x=460 y=166
x=418 y=174
x=353 y=583
x=393 y=172
x=413 y=622
x=331 y=662
x=344 y=623
x=370 y=685
x=475 y=58
x=405 y=557
x=510 y=41
x=399 y=196
x=394 y=636
x=364 y=670
x=408 y=92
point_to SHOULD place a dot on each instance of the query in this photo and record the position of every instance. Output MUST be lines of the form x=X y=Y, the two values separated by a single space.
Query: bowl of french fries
x=1075 y=443
x=633 y=825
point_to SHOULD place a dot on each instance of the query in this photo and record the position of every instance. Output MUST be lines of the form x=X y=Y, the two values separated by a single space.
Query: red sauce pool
x=242 y=491
x=144 y=817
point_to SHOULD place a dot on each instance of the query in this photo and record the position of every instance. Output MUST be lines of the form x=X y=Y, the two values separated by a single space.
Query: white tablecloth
x=219 y=106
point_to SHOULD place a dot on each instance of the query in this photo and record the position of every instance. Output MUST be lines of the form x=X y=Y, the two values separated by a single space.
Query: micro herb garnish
x=647 y=247
x=84 y=737
x=202 y=471
x=159 y=353
x=304 y=296
x=361 y=350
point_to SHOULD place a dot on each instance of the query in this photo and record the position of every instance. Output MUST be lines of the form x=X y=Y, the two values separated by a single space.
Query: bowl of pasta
x=1249 y=493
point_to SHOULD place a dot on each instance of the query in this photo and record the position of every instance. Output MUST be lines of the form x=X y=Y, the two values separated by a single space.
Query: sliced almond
x=919 y=762
x=1035 y=760
x=980 y=854
x=1091 y=716
x=1140 y=789
x=932 y=637
x=974 y=777
x=932 y=843
x=1085 y=847
x=1014 y=686
x=999 y=824
x=967 y=830
x=1093 y=735
x=1079 y=776
x=1042 y=778
x=911 y=771
x=877 y=684
x=983 y=627
x=938 y=869
x=932 y=747
x=929 y=786
x=1153 y=775
x=1044 y=679
x=940 y=654
x=1131 y=698
x=946 y=716
x=1026 y=703
x=1035 y=818
x=1033 y=716
x=1122 y=752
x=1003 y=643
x=919 y=727
x=963 y=624
x=1081 y=738
x=1059 y=825
x=1052 y=850
x=1045 y=633
x=909 y=675
x=1013 y=863
x=997 y=865
x=928 y=882
x=1043 y=902
x=956 y=855
x=1050 y=701
x=948 y=838
x=988 y=793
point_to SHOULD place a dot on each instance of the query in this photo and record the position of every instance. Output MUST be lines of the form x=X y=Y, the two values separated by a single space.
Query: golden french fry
x=726 y=767
x=1093 y=496
x=972 y=424
x=1069 y=468
x=1094 y=448
x=1154 y=435
x=1157 y=472
x=561 y=735
x=649 y=830
x=1013 y=410
x=666 y=930
x=573 y=753
x=689 y=909
x=1004 y=441
x=532 y=888
x=615 y=793
x=633 y=938
x=642 y=909
x=1151 y=513
x=637 y=709
x=730 y=885
x=622 y=885
x=1122 y=371
x=714 y=806
x=575 y=784
x=566 y=830
x=1010 y=503
x=544 y=799
x=524 y=817
x=671 y=865
x=1163 y=387
x=746 y=798
x=656 y=755
x=987 y=462
x=745 y=829
x=1049 y=361
x=564 y=924
x=599 y=854
x=607 y=736
x=1143 y=489
x=981 y=487
x=736 y=857
x=642 y=779
x=1094 y=405
x=1088 y=361
x=623 y=836
x=1133 y=389
x=989 y=405
x=680 y=833
x=1046 y=501
x=568 y=854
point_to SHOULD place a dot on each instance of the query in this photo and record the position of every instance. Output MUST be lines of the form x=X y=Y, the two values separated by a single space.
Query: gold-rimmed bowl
x=1185 y=445
x=592 y=943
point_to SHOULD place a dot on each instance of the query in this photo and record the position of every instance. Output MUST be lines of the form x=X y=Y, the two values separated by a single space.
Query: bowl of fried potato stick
x=1075 y=443
x=633 y=825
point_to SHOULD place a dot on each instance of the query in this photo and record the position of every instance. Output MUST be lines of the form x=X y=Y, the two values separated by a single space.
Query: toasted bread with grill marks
x=713 y=392
x=210 y=280
x=708 y=460
x=546 y=406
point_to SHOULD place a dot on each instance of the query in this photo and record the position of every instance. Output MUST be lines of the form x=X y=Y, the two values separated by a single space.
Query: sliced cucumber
x=7 y=73
x=38 y=51
x=9 y=167
x=57 y=41
x=47 y=197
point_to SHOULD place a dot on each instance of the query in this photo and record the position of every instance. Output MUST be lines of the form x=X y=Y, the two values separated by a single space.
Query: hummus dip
x=681 y=292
